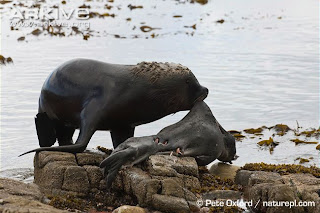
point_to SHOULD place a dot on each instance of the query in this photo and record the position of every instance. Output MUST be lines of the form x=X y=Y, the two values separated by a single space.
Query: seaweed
x=253 y=131
x=210 y=182
x=303 y=160
x=298 y=141
x=268 y=142
x=105 y=150
x=282 y=169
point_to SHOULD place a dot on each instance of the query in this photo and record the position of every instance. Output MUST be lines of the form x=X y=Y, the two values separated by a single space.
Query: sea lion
x=198 y=135
x=93 y=95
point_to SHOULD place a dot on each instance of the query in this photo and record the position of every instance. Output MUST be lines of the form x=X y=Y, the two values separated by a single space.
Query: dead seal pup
x=198 y=135
x=93 y=95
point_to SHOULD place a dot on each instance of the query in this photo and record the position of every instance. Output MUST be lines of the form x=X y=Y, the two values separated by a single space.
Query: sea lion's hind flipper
x=45 y=130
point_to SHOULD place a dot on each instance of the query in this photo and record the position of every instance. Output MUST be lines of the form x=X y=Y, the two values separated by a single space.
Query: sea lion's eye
x=188 y=81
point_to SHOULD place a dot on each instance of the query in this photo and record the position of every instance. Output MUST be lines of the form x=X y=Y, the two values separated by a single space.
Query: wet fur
x=91 y=95
x=155 y=71
x=198 y=135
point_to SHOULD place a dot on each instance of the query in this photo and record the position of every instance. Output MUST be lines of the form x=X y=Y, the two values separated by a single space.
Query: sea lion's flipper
x=88 y=122
x=75 y=148
x=113 y=163
x=45 y=130
x=121 y=134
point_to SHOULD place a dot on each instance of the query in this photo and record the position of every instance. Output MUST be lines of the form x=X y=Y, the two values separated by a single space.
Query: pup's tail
x=45 y=130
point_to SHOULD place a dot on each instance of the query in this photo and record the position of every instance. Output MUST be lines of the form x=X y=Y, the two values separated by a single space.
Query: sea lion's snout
x=203 y=94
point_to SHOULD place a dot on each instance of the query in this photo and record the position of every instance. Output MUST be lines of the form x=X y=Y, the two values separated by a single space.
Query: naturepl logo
x=49 y=13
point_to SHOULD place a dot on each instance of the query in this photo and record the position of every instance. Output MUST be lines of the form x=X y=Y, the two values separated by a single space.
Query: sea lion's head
x=229 y=152
x=174 y=85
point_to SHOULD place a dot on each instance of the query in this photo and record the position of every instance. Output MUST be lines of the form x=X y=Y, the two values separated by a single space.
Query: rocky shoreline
x=65 y=182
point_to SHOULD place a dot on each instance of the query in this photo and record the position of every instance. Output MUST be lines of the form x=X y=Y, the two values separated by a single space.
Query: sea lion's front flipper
x=113 y=163
x=120 y=134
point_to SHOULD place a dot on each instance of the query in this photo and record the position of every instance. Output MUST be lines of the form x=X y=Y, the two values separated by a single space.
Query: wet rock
x=308 y=188
x=43 y=158
x=263 y=187
x=76 y=180
x=170 y=203
x=222 y=195
x=87 y=158
x=94 y=175
x=172 y=165
x=242 y=177
x=17 y=197
x=245 y=177
x=58 y=173
x=224 y=170
x=129 y=209
x=172 y=188
x=160 y=179
x=264 y=177
x=28 y=191
x=265 y=192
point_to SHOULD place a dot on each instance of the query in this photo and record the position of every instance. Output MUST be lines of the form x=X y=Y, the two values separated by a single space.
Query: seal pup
x=93 y=95
x=197 y=135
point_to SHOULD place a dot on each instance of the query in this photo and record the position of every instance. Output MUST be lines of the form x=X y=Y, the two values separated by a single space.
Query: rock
x=224 y=170
x=222 y=195
x=45 y=157
x=18 y=197
x=303 y=182
x=76 y=180
x=264 y=177
x=166 y=165
x=170 y=204
x=190 y=182
x=50 y=177
x=129 y=209
x=263 y=187
x=245 y=178
x=171 y=188
x=17 y=204
x=242 y=177
x=308 y=188
x=160 y=179
x=58 y=173
x=265 y=192
x=94 y=175
x=89 y=158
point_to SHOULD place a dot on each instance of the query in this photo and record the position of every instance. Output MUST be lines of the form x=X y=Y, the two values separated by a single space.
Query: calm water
x=261 y=67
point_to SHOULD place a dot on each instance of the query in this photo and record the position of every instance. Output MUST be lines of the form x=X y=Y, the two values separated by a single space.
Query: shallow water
x=261 y=67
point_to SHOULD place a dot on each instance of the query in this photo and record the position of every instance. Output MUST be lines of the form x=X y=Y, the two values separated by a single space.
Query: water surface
x=261 y=67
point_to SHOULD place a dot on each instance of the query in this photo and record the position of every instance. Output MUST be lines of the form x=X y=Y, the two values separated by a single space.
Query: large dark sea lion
x=198 y=135
x=93 y=95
